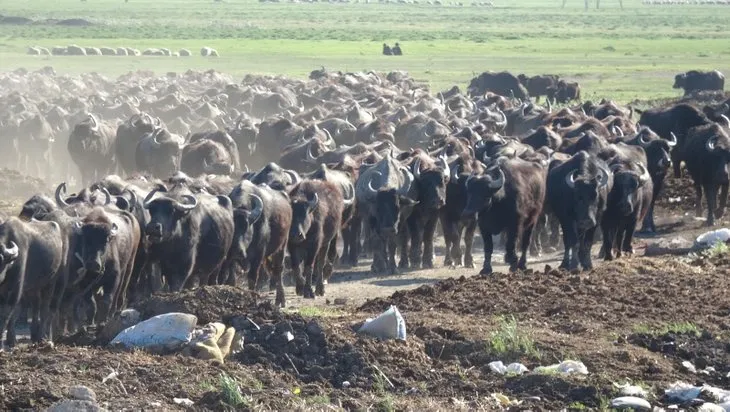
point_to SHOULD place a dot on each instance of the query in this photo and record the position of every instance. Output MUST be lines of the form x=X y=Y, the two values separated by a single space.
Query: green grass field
x=623 y=54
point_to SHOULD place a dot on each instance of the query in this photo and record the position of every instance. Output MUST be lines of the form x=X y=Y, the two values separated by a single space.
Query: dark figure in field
x=396 y=50
x=386 y=50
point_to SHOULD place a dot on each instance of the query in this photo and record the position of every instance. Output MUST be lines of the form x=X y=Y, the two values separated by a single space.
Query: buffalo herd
x=193 y=178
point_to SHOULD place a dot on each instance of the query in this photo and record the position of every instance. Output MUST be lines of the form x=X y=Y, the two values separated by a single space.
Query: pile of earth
x=292 y=362
x=699 y=99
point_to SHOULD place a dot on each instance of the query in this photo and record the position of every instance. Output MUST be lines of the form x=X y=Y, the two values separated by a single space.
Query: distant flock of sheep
x=685 y=2
x=426 y=2
x=74 y=50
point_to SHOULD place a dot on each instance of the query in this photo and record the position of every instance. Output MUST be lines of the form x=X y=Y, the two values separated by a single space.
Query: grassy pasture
x=624 y=54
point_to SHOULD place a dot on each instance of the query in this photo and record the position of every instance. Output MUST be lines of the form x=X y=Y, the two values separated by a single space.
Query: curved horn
x=643 y=138
x=673 y=141
x=258 y=208
x=371 y=189
x=447 y=171
x=417 y=168
x=455 y=174
x=60 y=201
x=502 y=124
x=710 y=145
x=93 y=119
x=132 y=199
x=10 y=253
x=191 y=202
x=645 y=176
x=293 y=176
x=570 y=179
x=148 y=198
x=407 y=181
x=726 y=120
x=310 y=156
x=329 y=136
x=497 y=184
x=107 y=195
x=603 y=181
x=312 y=203
x=350 y=200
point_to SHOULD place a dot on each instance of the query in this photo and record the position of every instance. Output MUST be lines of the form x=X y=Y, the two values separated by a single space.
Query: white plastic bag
x=512 y=368
x=682 y=392
x=708 y=239
x=160 y=333
x=566 y=366
x=388 y=325
x=631 y=390
x=632 y=402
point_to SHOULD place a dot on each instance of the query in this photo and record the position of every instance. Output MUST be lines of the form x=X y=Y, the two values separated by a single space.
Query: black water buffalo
x=316 y=219
x=206 y=156
x=91 y=146
x=502 y=83
x=385 y=202
x=658 y=163
x=707 y=154
x=189 y=235
x=538 y=85
x=696 y=81
x=672 y=124
x=430 y=178
x=158 y=153
x=106 y=248
x=262 y=218
x=509 y=197
x=129 y=134
x=453 y=223
x=31 y=263
x=577 y=191
x=563 y=92
x=628 y=203
x=274 y=176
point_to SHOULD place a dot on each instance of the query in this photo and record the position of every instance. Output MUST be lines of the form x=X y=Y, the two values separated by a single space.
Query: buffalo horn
x=417 y=168
x=726 y=120
x=313 y=201
x=710 y=145
x=570 y=179
x=407 y=181
x=191 y=202
x=11 y=252
x=496 y=184
x=60 y=201
x=445 y=165
x=258 y=208
x=148 y=198
x=673 y=141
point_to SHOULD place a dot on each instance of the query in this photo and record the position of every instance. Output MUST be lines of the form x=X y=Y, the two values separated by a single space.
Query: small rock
x=689 y=366
x=81 y=393
x=340 y=301
x=183 y=401
x=633 y=402
x=74 y=405
x=346 y=384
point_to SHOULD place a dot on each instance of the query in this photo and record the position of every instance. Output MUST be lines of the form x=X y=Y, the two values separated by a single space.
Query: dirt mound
x=74 y=22
x=208 y=303
x=699 y=99
x=14 y=20
x=16 y=186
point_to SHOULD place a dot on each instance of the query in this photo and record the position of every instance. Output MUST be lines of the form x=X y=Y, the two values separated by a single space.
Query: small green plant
x=231 y=391
x=577 y=406
x=316 y=312
x=718 y=249
x=508 y=339
x=679 y=328
x=319 y=400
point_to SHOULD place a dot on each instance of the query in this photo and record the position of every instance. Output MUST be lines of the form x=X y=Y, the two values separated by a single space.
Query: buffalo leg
x=488 y=248
x=313 y=251
x=629 y=236
x=469 y=229
x=319 y=266
x=698 y=199
x=584 y=248
x=402 y=236
x=391 y=247
x=296 y=255
x=416 y=231
x=526 y=242
x=607 y=247
x=720 y=211
x=277 y=269
x=647 y=225
x=329 y=264
x=429 y=230
x=254 y=269
x=510 y=256
x=711 y=196
x=450 y=238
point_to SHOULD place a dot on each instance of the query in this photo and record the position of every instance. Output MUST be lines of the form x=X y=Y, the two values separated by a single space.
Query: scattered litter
x=346 y=384
x=708 y=370
x=710 y=407
x=689 y=366
x=566 y=366
x=166 y=332
x=631 y=390
x=674 y=199
x=682 y=392
x=720 y=395
x=709 y=239
x=183 y=401
x=512 y=368
x=504 y=400
x=633 y=402
x=388 y=325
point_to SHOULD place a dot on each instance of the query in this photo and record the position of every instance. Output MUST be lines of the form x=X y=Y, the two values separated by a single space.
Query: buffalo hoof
x=428 y=265
x=719 y=213
x=486 y=270
x=308 y=293
x=522 y=265
x=469 y=262
x=320 y=290
x=403 y=264
x=710 y=223
x=449 y=263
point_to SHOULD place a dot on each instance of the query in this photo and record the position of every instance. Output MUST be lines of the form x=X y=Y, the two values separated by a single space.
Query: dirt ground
x=632 y=320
